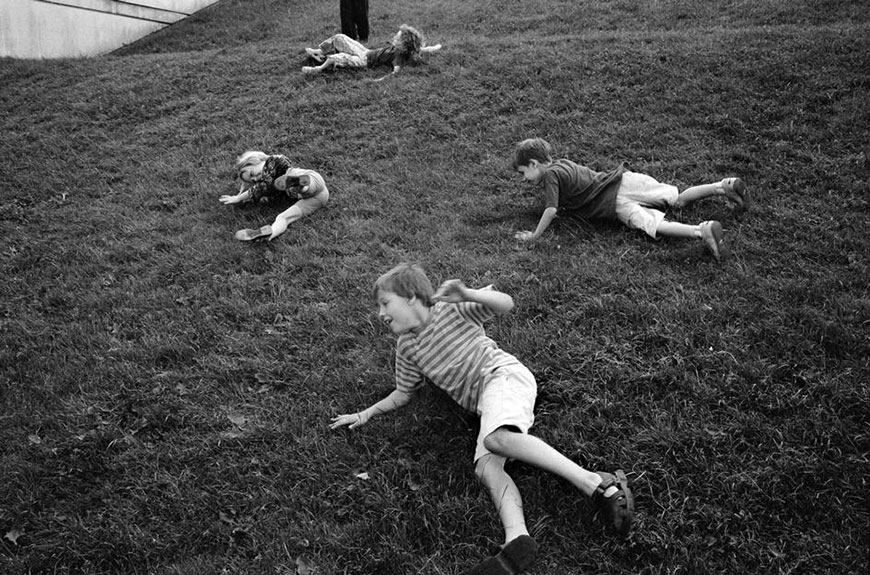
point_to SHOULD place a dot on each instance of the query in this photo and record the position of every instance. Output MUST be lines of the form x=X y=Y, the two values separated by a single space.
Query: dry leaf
x=305 y=566
x=238 y=420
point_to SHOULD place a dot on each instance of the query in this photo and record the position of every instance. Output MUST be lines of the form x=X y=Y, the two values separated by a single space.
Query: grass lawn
x=165 y=390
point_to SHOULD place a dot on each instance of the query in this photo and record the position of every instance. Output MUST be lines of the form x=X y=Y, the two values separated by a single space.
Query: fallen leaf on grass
x=238 y=420
x=305 y=566
x=362 y=475
x=13 y=535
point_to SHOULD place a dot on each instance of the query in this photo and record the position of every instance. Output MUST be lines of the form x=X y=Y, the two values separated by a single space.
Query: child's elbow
x=507 y=304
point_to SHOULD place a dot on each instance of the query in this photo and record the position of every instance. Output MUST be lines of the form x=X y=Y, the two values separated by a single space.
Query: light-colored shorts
x=637 y=199
x=345 y=52
x=310 y=205
x=508 y=399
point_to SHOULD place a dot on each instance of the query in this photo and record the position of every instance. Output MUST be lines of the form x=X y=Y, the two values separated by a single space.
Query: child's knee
x=496 y=442
x=485 y=467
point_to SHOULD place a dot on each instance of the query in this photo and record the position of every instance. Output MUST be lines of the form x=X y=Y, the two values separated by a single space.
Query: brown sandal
x=618 y=509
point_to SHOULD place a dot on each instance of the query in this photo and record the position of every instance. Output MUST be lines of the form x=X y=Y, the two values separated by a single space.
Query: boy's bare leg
x=504 y=493
x=732 y=188
x=284 y=219
x=678 y=230
x=695 y=193
x=534 y=451
x=315 y=69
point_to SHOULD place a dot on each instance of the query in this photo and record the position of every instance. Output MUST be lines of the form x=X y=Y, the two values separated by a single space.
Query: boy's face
x=399 y=313
x=533 y=172
x=250 y=173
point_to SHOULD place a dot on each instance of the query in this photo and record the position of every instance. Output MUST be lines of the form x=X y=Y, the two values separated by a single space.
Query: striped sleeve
x=409 y=378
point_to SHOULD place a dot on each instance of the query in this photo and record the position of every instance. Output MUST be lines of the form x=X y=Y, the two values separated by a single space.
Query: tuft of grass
x=165 y=390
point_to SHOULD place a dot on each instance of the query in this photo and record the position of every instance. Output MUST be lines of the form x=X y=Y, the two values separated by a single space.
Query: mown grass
x=166 y=389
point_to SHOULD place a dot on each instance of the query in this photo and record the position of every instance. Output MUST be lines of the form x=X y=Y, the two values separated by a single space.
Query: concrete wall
x=77 y=28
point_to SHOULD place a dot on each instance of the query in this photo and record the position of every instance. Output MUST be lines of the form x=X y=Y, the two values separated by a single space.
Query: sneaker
x=736 y=191
x=711 y=234
x=513 y=559
x=286 y=182
x=315 y=54
x=249 y=235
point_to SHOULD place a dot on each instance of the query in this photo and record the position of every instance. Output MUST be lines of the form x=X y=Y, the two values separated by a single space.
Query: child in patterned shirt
x=341 y=51
x=442 y=340
x=265 y=176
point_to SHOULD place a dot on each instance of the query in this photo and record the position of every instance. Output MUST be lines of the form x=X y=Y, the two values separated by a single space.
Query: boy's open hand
x=525 y=236
x=227 y=200
x=451 y=291
x=352 y=420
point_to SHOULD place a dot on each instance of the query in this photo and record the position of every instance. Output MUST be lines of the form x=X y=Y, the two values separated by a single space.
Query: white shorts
x=345 y=52
x=508 y=399
x=637 y=199
x=308 y=206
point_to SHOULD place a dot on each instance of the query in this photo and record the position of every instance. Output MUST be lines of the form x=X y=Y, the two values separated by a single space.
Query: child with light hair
x=267 y=176
x=341 y=51
x=636 y=200
x=442 y=341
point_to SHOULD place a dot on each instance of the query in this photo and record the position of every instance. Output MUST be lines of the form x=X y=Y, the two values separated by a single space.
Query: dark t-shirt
x=274 y=167
x=581 y=192
x=386 y=56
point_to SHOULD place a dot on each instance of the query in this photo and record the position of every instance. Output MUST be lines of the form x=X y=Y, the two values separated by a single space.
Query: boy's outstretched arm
x=543 y=224
x=243 y=196
x=395 y=400
x=454 y=291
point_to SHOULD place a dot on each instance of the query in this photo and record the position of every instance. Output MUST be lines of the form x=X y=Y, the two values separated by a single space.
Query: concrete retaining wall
x=77 y=28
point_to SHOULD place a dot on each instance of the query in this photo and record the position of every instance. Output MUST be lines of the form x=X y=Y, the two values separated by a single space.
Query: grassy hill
x=165 y=390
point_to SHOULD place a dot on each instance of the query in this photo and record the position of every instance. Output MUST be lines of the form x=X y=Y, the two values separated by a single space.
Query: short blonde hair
x=250 y=158
x=407 y=280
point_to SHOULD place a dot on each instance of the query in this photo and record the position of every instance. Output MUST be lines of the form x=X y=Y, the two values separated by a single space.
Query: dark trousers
x=355 y=19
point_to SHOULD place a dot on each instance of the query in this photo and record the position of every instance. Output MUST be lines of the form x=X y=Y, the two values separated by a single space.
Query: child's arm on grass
x=395 y=400
x=454 y=291
x=543 y=224
x=242 y=196
x=393 y=73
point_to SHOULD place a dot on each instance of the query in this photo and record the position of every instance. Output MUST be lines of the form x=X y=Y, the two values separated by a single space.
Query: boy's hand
x=525 y=236
x=451 y=291
x=352 y=420
x=227 y=200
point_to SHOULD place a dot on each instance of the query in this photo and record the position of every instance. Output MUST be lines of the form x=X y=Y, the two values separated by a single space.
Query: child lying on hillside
x=341 y=51
x=636 y=200
x=265 y=176
x=442 y=341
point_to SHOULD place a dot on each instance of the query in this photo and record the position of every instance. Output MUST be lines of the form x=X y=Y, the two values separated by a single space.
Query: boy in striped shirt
x=442 y=340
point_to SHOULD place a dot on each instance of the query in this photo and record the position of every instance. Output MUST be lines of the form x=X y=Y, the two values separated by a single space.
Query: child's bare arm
x=393 y=73
x=242 y=196
x=454 y=291
x=395 y=400
x=543 y=224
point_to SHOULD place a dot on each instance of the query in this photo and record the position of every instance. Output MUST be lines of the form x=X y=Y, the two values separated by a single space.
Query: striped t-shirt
x=452 y=351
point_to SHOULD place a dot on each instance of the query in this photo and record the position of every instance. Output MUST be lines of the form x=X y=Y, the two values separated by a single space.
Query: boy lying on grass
x=341 y=51
x=265 y=176
x=442 y=340
x=636 y=200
